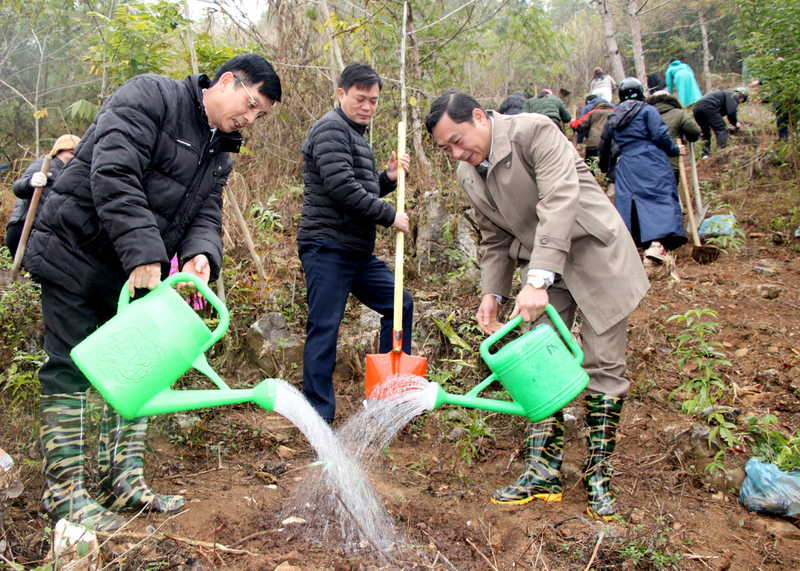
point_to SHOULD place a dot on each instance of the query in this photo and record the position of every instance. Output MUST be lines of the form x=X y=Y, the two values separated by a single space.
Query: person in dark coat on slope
x=512 y=105
x=646 y=193
x=145 y=183
x=33 y=178
x=710 y=112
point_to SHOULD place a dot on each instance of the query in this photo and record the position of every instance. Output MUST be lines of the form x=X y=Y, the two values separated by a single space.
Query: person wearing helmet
x=33 y=178
x=646 y=192
x=710 y=112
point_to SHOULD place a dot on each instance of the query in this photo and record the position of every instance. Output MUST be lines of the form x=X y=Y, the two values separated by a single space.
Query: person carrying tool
x=336 y=237
x=145 y=183
x=538 y=206
x=646 y=191
x=681 y=82
x=33 y=178
x=680 y=123
x=710 y=112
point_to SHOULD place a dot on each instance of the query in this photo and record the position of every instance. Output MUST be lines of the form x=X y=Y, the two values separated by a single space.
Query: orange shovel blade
x=383 y=366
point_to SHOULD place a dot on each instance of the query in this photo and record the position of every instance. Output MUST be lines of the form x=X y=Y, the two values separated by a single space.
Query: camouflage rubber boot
x=65 y=495
x=121 y=465
x=602 y=421
x=541 y=476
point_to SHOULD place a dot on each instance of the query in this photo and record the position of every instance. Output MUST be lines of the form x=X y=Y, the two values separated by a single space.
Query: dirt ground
x=239 y=464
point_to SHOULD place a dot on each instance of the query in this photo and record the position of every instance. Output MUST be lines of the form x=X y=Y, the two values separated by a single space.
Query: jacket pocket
x=594 y=227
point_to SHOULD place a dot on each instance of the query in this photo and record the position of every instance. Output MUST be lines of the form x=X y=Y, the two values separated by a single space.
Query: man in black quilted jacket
x=145 y=183
x=341 y=207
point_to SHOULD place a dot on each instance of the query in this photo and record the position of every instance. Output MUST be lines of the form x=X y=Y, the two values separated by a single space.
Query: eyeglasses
x=252 y=104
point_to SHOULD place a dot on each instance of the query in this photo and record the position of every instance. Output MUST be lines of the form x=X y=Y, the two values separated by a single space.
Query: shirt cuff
x=548 y=276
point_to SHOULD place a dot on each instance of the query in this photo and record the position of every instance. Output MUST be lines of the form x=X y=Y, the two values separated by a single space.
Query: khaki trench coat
x=540 y=207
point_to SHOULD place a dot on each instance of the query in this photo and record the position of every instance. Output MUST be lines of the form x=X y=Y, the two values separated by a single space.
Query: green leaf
x=82 y=548
x=449 y=332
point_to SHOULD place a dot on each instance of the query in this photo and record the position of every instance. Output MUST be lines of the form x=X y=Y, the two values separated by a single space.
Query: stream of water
x=335 y=497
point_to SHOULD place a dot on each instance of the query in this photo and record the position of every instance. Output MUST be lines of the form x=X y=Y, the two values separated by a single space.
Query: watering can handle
x=514 y=323
x=216 y=303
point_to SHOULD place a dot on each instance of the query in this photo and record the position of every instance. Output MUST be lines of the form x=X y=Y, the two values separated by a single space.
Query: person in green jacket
x=680 y=79
x=681 y=125
x=548 y=104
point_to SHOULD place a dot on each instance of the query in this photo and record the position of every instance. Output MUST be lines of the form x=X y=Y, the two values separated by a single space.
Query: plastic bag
x=717 y=225
x=768 y=490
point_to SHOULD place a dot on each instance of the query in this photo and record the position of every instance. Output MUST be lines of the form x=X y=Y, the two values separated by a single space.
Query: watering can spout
x=436 y=396
x=175 y=401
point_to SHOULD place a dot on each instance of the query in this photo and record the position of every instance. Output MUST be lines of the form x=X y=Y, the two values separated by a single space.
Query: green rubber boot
x=602 y=421
x=121 y=465
x=541 y=476
x=65 y=495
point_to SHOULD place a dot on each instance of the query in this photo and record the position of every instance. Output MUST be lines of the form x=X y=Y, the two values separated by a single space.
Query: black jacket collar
x=228 y=142
x=360 y=129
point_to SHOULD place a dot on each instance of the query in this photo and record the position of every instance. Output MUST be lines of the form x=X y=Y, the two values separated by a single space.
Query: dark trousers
x=13 y=234
x=70 y=318
x=333 y=272
x=711 y=120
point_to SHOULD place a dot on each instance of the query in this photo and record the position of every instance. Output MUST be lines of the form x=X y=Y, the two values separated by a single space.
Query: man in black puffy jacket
x=336 y=237
x=144 y=184
x=710 y=111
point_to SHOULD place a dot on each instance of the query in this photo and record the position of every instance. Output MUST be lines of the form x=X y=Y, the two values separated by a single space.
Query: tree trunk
x=612 y=49
x=336 y=55
x=416 y=122
x=636 y=40
x=706 y=52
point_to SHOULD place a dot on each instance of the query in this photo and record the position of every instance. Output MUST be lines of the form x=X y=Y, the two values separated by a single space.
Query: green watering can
x=134 y=358
x=537 y=370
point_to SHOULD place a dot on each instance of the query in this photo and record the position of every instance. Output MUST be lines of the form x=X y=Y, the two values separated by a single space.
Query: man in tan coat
x=538 y=207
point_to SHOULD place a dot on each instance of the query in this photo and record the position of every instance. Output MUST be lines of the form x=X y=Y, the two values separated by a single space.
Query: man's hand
x=531 y=303
x=487 y=314
x=401 y=222
x=682 y=150
x=198 y=266
x=38 y=179
x=391 y=168
x=144 y=276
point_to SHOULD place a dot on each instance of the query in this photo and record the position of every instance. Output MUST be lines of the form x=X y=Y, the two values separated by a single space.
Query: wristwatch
x=537 y=282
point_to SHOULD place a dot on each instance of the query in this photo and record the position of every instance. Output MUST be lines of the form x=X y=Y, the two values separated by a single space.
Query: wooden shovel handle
x=26 y=229
x=688 y=198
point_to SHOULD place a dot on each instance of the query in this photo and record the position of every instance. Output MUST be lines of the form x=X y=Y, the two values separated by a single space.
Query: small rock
x=568 y=470
x=292 y=520
x=286 y=566
x=286 y=452
x=457 y=433
x=769 y=377
x=767 y=263
x=762 y=271
x=740 y=352
x=768 y=291
x=794 y=386
x=781 y=528
x=719 y=496
x=456 y=416
x=570 y=425
x=677 y=526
